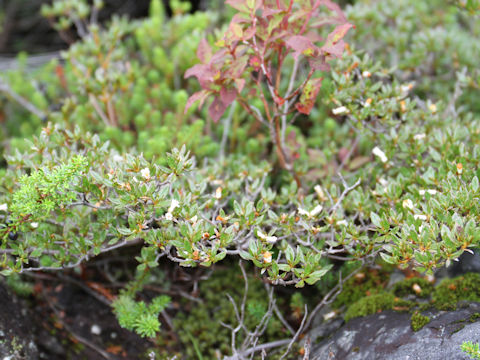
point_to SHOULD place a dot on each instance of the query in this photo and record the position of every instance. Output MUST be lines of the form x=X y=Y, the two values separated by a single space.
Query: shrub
x=380 y=169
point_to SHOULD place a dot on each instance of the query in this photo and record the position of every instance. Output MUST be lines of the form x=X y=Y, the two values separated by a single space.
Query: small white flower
x=342 y=223
x=383 y=182
x=302 y=211
x=433 y=108
x=407 y=204
x=267 y=257
x=317 y=210
x=321 y=195
x=218 y=193
x=3 y=207
x=173 y=205
x=34 y=225
x=340 y=110
x=368 y=102
x=269 y=239
x=419 y=136
x=194 y=219
x=420 y=217
x=406 y=88
x=430 y=191
x=366 y=74
x=145 y=173
x=169 y=216
x=378 y=152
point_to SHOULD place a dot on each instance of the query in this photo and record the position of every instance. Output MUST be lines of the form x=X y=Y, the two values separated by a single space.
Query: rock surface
x=388 y=335
x=16 y=335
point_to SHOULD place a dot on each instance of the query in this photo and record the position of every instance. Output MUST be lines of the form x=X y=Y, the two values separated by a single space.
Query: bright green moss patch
x=376 y=303
x=451 y=291
x=414 y=286
x=418 y=321
x=365 y=283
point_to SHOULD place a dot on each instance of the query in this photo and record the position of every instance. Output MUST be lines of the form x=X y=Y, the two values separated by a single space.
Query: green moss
x=376 y=303
x=418 y=321
x=451 y=291
x=365 y=283
x=474 y=317
x=408 y=286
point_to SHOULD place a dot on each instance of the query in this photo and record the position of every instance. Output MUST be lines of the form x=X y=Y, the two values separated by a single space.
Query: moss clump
x=418 y=321
x=376 y=303
x=366 y=283
x=451 y=291
x=415 y=286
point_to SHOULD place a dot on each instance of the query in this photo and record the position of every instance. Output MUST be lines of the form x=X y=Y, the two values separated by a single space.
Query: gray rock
x=388 y=335
x=16 y=337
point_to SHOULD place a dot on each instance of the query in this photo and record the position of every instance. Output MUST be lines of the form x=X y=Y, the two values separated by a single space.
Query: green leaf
x=376 y=220
x=474 y=184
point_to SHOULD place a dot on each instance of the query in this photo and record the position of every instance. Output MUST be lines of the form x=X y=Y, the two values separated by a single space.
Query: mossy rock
x=450 y=291
x=418 y=321
x=376 y=303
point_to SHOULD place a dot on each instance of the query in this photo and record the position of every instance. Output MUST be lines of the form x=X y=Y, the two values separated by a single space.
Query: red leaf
x=204 y=51
x=204 y=73
x=335 y=44
x=199 y=95
x=216 y=109
x=227 y=96
x=302 y=45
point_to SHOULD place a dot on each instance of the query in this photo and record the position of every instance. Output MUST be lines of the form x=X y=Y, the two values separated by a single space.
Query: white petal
x=340 y=110
x=3 y=207
x=420 y=216
x=145 y=173
x=317 y=210
x=271 y=239
x=303 y=211
x=261 y=235
x=419 y=136
x=378 y=152
x=173 y=205
x=407 y=204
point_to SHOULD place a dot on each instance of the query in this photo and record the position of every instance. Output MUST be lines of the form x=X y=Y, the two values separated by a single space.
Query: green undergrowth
x=444 y=296
x=200 y=329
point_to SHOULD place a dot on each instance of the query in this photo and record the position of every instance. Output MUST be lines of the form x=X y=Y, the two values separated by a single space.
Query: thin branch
x=344 y=193
x=4 y=87
x=297 y=334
